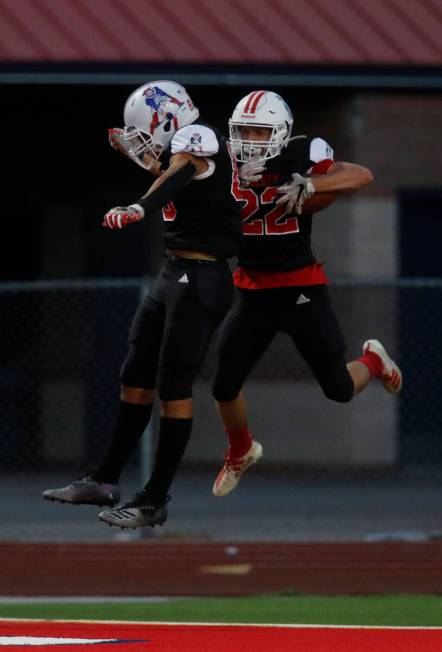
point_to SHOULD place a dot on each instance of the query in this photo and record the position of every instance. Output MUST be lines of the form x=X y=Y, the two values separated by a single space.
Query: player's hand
x=121 y=216
x=118 y=141
x=250 y=171
x=295 y=192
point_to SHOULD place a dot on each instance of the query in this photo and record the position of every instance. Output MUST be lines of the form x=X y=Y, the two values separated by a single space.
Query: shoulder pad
x=320 y=150
x=195 y=139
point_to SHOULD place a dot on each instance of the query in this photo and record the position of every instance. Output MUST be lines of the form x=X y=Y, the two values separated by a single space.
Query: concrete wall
x=397 y=135
x=357 y=237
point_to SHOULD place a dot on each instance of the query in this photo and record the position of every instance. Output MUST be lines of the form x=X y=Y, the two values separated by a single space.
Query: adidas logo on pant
x=183 y=279
x=302 y=299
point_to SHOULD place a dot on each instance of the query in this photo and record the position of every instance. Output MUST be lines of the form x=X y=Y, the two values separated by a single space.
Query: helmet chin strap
x=296 y=138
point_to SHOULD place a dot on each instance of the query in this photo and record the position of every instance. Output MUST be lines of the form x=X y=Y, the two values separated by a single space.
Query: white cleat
x=230 y=475
x=391 y=374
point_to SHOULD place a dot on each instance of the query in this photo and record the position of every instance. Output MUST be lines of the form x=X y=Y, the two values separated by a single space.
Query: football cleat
x=230 y=475
x=391 y=377
x=139 y=511
x=86 y=491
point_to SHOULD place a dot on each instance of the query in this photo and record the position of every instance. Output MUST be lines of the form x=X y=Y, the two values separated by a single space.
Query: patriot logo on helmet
x=160 y=102
x=156 y=97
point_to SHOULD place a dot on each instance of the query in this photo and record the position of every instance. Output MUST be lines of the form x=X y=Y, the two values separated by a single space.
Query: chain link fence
x=368 y=470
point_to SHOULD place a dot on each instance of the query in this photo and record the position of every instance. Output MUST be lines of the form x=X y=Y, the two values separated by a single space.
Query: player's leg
x=138 y=377
x=360 y=375
x=244 y=337
x=101 y=487
x=379 y=364
x=316 y=333
x=149 y=505
x=190 y=324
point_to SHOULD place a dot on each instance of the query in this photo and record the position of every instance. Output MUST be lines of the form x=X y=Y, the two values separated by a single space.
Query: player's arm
x=182 y=168
x=342 y=176
x=180 y=172
x=191 y=148
x=331 y=175
x=177 y=163
x=334 y=176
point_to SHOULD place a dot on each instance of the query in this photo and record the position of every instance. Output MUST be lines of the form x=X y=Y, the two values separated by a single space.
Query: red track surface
x=223 y=638
x=199 y=568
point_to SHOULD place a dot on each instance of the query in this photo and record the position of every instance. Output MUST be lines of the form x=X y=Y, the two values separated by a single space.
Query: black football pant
x=257 y=316
x=172 y=328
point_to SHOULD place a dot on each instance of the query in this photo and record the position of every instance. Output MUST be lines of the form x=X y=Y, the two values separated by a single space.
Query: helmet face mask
x=152 y=115
x=142 y=148
x=260 y=109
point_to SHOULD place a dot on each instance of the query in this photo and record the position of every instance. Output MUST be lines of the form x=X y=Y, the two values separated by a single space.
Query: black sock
x=130 y=423
x=173 y=438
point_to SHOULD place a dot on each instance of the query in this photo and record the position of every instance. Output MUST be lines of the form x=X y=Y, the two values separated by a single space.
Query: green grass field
x=405 y=610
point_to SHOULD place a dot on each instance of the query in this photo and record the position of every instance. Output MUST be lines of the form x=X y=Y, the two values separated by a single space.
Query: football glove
x=296 y=192
x=121 y=216
x=250 y=171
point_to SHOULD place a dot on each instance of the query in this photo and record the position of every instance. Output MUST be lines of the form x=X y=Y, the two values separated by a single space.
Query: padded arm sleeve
x=167 y=190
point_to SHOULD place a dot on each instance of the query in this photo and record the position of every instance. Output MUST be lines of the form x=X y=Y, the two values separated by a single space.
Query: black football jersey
x=204 y=215
x=274 y=239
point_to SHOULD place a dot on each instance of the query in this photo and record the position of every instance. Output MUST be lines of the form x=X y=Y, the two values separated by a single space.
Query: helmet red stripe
x=251 y=96
x=255 y=101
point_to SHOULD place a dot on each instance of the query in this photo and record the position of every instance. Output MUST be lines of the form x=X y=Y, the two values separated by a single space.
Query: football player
x=281 y=286
x=172 y=328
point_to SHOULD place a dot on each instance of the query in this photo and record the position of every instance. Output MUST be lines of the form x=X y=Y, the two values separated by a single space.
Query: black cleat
x=139 y=511
x=85 y=492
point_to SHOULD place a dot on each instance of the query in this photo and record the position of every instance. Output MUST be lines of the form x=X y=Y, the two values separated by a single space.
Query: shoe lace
x=231 y=462
x=87 y=475
x=83 y=479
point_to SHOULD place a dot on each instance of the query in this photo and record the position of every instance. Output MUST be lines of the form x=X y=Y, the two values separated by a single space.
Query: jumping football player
x=281 y=286
x=172 y=328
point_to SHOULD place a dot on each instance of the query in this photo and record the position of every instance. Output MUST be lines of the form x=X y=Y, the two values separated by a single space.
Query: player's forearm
x=343 y=176
x=166 y=174
x=163 y=189
x=177 y=162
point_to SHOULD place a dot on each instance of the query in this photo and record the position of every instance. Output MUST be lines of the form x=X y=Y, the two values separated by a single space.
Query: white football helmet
x=260 y=109
x=152 y=114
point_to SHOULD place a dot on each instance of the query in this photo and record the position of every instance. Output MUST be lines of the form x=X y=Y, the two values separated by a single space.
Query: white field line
x=51 y=640
x=208 y=624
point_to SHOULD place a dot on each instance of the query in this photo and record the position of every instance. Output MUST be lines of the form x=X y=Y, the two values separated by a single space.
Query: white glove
x=296 y=192
x=250 y=171
x=121 y=216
